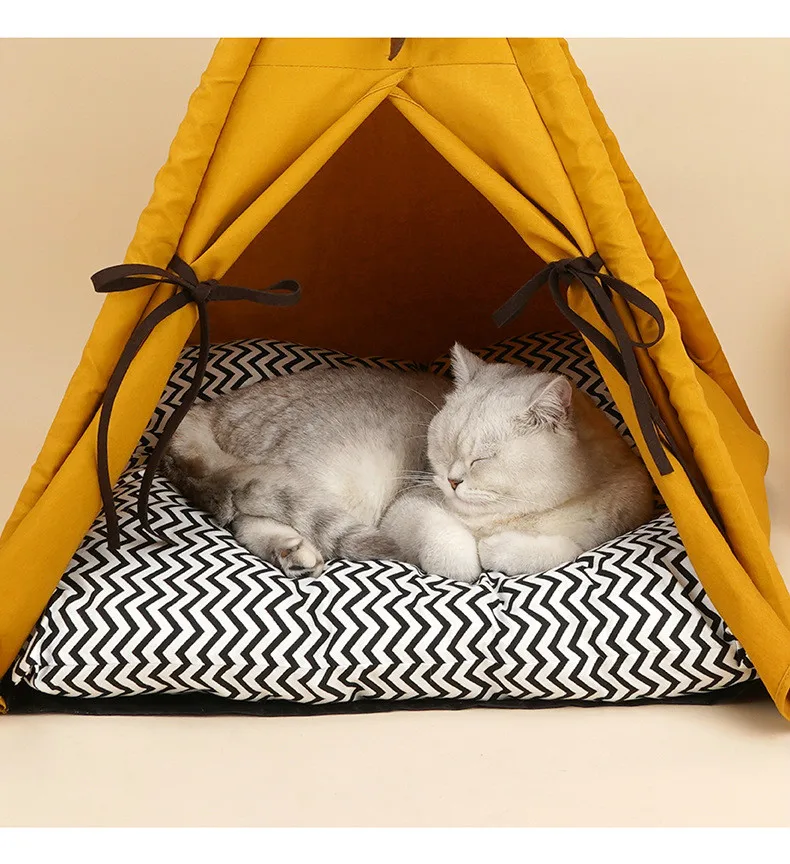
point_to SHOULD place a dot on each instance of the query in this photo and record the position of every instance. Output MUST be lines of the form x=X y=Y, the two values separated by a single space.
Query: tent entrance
x=397 y=253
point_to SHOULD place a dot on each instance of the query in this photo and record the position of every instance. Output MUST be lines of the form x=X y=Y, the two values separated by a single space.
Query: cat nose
x=454 y=483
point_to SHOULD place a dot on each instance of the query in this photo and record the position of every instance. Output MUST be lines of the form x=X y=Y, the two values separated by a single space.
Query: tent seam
x=782 y=688
x=397 y=93
x=370 y=68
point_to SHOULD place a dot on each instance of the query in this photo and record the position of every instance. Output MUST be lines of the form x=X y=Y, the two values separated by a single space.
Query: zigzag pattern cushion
x=626 y=621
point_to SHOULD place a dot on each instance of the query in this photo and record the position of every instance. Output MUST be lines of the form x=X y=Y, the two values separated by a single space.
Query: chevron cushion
x=626 y=621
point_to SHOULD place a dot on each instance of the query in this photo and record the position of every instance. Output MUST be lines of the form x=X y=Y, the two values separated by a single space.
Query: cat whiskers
x=500 y=497
x=422 y=485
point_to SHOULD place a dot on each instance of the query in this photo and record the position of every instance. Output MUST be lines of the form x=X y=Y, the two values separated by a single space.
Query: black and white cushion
x=199 y=613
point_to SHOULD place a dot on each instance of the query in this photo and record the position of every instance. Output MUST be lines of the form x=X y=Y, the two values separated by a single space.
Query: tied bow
x=126 y=277
x=621 y=353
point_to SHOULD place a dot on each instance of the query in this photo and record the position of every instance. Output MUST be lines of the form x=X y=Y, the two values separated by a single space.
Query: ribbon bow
x=126 y=277
x=622 y=354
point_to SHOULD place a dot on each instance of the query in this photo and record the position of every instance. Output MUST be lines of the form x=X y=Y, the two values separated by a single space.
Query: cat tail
x=210 y=492
x=366 y=543
x=337 y=534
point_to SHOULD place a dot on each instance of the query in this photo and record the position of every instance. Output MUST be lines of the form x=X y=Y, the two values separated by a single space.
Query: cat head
x=505 y=439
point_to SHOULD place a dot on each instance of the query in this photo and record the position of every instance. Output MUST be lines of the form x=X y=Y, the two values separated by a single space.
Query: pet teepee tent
x=305 y=158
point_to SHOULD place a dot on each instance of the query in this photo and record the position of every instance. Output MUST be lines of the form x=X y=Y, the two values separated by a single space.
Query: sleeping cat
x=531 y=474
x=508 y=470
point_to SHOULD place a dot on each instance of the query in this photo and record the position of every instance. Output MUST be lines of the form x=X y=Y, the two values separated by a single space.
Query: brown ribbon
x=395 y=46
x=600 y=287
x=126 y=277
x=621 y=355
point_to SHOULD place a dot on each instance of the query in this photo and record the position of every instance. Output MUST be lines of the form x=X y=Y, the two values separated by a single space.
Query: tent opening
x=397 y=253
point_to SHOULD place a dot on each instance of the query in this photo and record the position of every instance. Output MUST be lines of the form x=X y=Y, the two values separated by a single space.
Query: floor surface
x=642 y=766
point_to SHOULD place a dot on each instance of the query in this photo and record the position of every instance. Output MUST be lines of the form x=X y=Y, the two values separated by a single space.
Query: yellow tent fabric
x=275 y=120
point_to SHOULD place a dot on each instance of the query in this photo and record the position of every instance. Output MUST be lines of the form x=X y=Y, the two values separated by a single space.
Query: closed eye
x=479 y=459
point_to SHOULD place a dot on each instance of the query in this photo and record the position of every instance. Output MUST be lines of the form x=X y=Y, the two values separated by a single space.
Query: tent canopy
x=411 y=197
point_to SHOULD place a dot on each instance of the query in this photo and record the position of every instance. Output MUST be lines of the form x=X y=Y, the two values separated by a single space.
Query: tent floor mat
x=22 y=699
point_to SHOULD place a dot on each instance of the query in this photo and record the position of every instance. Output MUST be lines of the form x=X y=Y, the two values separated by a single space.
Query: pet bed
x=200 y=614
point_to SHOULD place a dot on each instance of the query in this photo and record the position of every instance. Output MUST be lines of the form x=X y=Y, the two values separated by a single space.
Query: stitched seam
x=376 y=90
x=46 y=668
x=404 y=97
x=783 y=682
x=400 y=94
x=372 y=68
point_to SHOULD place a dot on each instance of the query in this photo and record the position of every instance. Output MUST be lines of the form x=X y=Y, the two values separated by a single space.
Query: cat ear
x=465 y=365
x=552 y=406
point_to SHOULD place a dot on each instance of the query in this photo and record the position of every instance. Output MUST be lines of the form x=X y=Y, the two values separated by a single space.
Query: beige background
x=706 y=127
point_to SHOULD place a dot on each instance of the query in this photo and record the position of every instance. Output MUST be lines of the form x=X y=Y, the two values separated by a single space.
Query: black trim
x=22 y=699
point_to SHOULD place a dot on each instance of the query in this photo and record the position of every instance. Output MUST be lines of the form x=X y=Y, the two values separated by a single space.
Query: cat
x=302 y=467
x=507 y=470
x=529 y=474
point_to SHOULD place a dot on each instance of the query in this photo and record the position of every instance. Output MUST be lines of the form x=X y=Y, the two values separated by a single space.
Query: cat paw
x=298 y=558
x=458 y=562
x=517 y=554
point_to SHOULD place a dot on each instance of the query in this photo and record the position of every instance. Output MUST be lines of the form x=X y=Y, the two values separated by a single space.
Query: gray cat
x=507 y=470
x=303 y=467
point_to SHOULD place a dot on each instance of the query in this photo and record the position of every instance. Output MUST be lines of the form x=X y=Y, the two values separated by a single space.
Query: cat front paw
x=454 y=560
x=517 y=554
x=298 y=558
